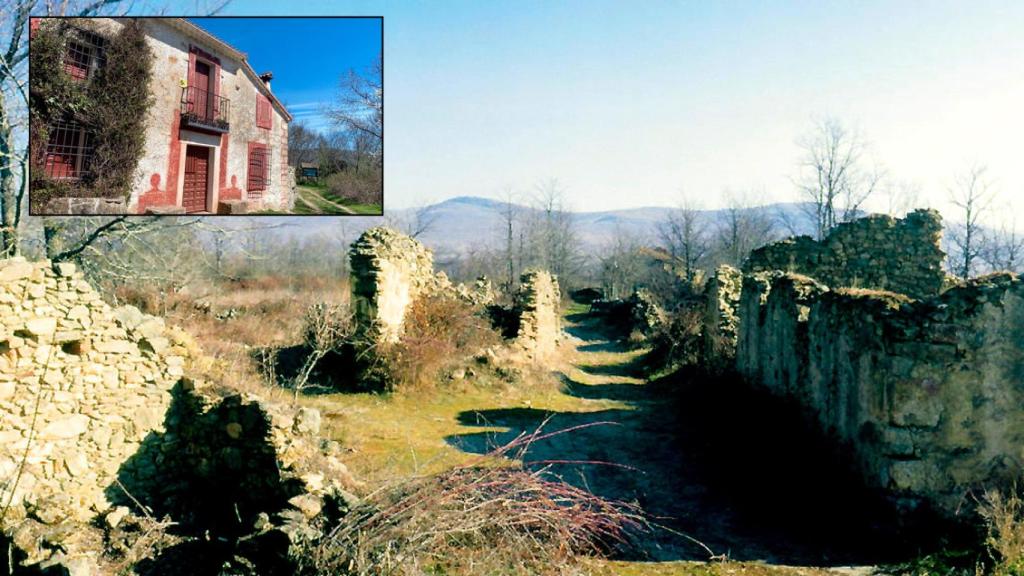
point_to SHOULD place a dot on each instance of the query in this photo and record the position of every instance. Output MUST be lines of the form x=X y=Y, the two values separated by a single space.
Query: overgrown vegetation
x=474 y=519
x=362 y=188
x=111 y=105
x=440 y=332
x=1003 y=513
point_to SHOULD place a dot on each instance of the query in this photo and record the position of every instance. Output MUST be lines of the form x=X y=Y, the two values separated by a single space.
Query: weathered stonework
x=389 y=270
x=540 y=319
x=86 y=206
x=926 y=393
x=878 y=252
x=721 y=300
x=96 y=418
x=81 y=384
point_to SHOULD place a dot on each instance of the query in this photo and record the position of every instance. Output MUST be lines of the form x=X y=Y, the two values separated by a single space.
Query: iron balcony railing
x=204 y=109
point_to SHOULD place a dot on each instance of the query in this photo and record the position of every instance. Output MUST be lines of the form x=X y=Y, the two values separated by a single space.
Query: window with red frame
x=263 y=112
x=68 y=151
x=259 y=169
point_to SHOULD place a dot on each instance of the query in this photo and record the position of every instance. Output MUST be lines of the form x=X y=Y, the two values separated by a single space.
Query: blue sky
x=307 y=55
x=637 y=103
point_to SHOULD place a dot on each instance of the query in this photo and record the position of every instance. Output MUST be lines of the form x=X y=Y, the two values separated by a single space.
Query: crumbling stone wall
x=878 y=251
x=81 y=384
x=926 y=394
x=721 y=300
x=96 y=420
x=540 y=320
x=388 y=271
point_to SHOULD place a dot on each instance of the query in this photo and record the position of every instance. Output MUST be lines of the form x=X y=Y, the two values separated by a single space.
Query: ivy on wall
x=112 y=105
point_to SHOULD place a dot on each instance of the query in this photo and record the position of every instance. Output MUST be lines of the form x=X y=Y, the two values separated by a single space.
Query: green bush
x=112 y=105
x=120 y=100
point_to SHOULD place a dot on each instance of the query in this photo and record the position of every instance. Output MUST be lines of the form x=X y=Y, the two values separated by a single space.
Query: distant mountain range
x=465 y=223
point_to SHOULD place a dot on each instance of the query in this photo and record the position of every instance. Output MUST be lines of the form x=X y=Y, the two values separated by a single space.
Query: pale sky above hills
x=629 y=103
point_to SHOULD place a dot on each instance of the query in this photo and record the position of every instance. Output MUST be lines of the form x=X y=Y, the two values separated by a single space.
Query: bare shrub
x=474 y=519
x=677 y=341
x=1004 y=520
x=364 y=187
x=439 y=332
x=327 y=328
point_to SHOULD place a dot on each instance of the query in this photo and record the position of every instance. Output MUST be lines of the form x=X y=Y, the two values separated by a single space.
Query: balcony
x=204 y=110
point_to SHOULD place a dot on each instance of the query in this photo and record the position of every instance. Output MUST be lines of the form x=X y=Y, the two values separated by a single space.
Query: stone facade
x=540 y=319
x=176 y=45
x=878 y=252
x=926 y=394
x=388 y=271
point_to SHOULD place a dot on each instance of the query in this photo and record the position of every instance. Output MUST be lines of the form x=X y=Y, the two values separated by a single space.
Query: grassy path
x=317 y=204
x=625 y=445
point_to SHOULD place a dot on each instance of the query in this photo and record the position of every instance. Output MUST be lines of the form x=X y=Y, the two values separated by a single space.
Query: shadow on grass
x=710 y=458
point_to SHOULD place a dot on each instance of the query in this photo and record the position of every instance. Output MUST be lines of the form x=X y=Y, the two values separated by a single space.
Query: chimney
x=267 y=77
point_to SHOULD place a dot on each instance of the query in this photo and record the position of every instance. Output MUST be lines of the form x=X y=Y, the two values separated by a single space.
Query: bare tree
x=302 y=143
x=13 y=103
x=509 y=218
x=553 y=233
x=972 y=195
x=360 y=106
x=620 y=267
x=415 y=221
x=1003 y=249
x=901 y=197
x=684 y=233
x=746 y=226
x=833 y=177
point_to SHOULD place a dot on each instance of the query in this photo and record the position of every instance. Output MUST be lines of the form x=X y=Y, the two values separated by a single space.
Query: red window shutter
x=263 y=112
x=259 y=168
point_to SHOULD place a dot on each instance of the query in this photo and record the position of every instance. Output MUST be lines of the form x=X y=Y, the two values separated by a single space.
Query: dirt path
x=687 y=457
x=303 y=191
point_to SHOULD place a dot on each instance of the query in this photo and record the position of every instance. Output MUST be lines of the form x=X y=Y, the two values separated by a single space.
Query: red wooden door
x=203 y=100
x=193 y=196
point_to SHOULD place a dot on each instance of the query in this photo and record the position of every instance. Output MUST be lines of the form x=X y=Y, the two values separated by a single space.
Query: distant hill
x=469 y=223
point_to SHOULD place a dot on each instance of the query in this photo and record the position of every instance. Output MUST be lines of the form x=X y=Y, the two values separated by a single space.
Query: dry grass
x=1003 y=514
x=230 y=319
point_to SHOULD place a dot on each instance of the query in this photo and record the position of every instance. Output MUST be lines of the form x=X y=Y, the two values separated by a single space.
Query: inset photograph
x=218 y=116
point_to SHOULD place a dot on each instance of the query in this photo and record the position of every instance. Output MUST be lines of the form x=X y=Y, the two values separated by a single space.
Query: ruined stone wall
x=96 y=419
x=721 y=299
x=540 y=320
x=926 y=394
x=878 y=251
x=388 y=271
x=81 y=384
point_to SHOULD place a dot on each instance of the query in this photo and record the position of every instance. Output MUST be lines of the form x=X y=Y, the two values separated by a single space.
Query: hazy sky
x=629 y=103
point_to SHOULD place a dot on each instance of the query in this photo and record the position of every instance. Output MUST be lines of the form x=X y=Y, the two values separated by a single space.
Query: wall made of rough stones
x=926 y=394
x=96 y=418
x=540 y=319
x=721 y=299
x=388 y=271
x=878 y=251
x=81 y=384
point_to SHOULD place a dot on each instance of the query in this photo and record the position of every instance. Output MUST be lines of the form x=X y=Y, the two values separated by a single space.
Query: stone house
x=216 y=137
